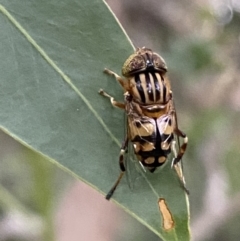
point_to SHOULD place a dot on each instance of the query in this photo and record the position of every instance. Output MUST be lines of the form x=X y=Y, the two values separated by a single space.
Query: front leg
x=122 y=81
x=113 y=102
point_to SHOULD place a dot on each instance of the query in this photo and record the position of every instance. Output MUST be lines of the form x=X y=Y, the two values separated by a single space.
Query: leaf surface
x=52 y=58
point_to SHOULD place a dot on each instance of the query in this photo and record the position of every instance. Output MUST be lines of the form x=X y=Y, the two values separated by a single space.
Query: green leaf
x=52 y=58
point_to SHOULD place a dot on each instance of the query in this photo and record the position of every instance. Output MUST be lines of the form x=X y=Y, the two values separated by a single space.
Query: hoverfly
x=151 y=116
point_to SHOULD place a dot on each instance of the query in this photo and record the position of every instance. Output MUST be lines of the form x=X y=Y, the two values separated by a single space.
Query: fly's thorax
x=150 y=88
x=138 y=110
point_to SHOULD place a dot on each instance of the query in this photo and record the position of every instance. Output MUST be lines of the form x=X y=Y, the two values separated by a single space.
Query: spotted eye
x=143 y=60
x=159 y=63
x=133 y=64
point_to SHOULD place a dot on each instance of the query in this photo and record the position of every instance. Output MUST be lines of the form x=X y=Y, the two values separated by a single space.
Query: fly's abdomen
x=150 y=146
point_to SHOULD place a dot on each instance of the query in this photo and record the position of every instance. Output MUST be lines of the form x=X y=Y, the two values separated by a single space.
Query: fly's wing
x=128 y=154
x=133 y=167
x=167 y=124
x=130 y=160
x=139 y=129
x=166 y=130
x=176 y=147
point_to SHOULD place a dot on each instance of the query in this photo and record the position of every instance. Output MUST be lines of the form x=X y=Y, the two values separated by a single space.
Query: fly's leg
x=124 y=145
x=122 y=81
x=178 y=167
x=182 y=148
x=122 y=167
x=113 y=102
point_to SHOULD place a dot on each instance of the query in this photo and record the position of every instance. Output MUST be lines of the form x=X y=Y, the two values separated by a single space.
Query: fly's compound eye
x=159 y=63
x=133 y=64
x=143 y=60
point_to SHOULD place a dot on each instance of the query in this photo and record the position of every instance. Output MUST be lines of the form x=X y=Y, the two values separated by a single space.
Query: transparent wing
x=175 y=148
x=132 y=164
x=176 y=137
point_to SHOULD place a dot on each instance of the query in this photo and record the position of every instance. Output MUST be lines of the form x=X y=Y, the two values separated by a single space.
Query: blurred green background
x=200 y=41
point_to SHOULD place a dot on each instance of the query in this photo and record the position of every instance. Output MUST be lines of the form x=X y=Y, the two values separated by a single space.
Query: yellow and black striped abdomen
x=151 y=138
x=150 y=88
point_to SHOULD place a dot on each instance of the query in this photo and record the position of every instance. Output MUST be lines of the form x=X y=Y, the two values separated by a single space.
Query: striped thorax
x=147 y=81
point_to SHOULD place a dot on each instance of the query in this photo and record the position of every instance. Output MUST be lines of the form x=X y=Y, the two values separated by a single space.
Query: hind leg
x=122 y=168
x=178 y=168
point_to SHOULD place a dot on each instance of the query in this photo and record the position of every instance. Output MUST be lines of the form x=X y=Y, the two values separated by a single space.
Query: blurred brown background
x=200 y=41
